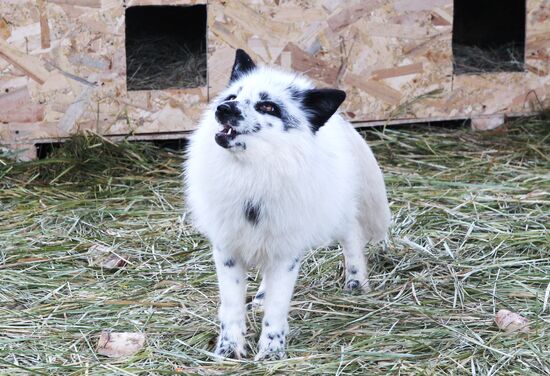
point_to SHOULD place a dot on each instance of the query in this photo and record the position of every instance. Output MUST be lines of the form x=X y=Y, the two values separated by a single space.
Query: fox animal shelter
x=146 y=69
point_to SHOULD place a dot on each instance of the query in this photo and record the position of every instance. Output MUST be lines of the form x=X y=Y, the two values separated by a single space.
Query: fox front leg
x=279 y=280
x=231 y=274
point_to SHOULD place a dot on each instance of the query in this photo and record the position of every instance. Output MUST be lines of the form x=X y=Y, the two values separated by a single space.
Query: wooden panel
x=64 y=63
x=394 y=58
x=69 y=55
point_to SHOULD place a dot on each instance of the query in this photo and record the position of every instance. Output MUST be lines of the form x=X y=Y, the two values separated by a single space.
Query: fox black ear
x=321 y=104
x=242 y=65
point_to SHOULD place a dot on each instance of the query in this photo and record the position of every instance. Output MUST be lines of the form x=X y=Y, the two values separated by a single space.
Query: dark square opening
x=489 y=36
x=165 y=47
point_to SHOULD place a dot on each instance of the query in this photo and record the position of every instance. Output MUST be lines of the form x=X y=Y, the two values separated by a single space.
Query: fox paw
x=271 y=346
x=231 y=344
x=354 y=285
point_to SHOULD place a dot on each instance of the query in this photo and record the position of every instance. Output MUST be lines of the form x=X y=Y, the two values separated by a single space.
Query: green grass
x=470 y=237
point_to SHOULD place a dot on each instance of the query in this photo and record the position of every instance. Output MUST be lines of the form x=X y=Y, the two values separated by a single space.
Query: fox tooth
x=229 y=131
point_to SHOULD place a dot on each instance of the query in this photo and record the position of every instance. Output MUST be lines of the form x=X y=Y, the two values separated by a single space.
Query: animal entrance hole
x=165 y=47
x=489 y=36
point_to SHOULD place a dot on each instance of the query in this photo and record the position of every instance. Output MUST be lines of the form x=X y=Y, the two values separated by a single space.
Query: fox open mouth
x=226 y=134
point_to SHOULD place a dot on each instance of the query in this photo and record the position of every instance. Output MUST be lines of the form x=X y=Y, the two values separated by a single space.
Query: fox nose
x=224 y=108
x=228 y=111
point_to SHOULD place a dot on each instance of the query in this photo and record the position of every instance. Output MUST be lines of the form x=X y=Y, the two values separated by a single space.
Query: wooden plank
x=4 y=29
x=418 y=5
x=17 y=106
x=374 y=88
x=253 y=21
x=76 y=110
x=441 y=17
x=31 y=65
x=317 y=69
x=351 y=14
x=381 y=74
x=80 y=3
x=221 y=31
x=45 y=41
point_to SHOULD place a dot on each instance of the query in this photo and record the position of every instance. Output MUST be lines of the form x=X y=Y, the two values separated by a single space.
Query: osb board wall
x=393 y=57
x=62 y=62
x=63 y=70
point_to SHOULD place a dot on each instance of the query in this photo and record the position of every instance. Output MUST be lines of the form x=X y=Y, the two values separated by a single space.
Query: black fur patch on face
x=243 y=65
x=264 y=96
x=228 y=112
x=252 y=213
x=320 y=105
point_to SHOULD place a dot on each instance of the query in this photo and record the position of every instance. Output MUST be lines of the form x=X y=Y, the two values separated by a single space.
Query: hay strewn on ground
x=470 y=237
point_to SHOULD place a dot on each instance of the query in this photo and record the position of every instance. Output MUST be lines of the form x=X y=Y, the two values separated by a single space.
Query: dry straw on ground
x=471 y=212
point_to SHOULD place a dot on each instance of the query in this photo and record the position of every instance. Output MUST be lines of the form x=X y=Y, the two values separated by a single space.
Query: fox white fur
x=265 y=184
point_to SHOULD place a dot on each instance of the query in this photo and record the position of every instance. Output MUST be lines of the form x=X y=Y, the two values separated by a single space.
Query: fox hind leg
x=355 y=263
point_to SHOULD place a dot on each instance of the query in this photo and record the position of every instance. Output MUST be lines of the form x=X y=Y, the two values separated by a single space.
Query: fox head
x=262 y=103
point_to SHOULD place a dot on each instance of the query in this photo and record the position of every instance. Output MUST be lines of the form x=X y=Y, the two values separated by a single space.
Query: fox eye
x=266 y=107
x=231 y=97
x=269 y=108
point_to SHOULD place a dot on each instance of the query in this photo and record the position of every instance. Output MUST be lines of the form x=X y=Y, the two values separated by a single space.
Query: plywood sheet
x=64 y=63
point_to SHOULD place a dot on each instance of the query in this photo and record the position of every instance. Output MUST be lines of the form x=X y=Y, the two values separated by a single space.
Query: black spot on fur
x=353 y=270
x=259 y=296
x=289 y=122
x=271 y=337
x=257 y=127
x=320 y=105
x=264 y=96
x=252 y=213
x=229 y=263
x=295 y=263
x=266 y=323
x=243 y=65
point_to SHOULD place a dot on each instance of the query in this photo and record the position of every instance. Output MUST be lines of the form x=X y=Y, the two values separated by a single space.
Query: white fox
x=272 y=171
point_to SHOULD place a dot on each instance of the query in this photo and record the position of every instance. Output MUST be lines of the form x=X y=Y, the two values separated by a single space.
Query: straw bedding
x=471 y=213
